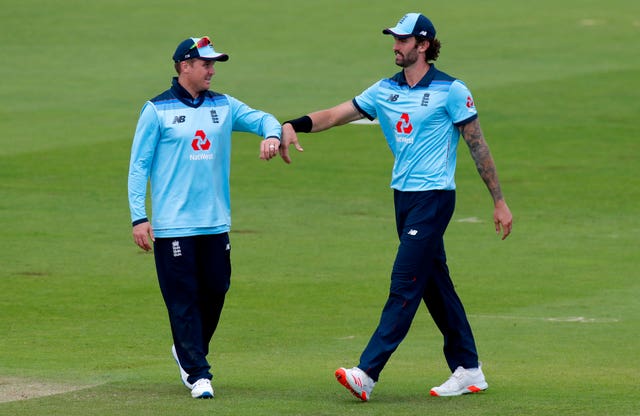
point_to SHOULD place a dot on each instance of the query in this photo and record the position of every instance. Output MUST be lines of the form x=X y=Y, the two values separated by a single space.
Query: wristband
x=303 y=124
x=140 y=221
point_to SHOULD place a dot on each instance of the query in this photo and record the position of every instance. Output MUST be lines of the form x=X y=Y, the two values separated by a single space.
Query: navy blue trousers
x=194 y=275
x=420 y=273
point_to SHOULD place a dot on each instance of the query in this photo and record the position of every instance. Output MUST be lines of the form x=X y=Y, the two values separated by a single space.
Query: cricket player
x=182 y=146
x=422 y=112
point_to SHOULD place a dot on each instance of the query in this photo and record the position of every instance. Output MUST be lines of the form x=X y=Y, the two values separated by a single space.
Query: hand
x=289 y=137
x=502 y=218
x=269 y=148
x=141 y=234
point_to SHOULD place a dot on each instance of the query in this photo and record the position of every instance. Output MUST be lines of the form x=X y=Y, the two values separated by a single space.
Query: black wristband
x=303 y=124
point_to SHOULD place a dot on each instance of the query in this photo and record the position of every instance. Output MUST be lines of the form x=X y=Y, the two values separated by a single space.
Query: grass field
x=555 y=310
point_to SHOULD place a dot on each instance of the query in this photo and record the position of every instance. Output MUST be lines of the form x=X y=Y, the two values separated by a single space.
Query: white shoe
x=202 y=389
x=183 y=374
x=356 y=381
x=462 y=381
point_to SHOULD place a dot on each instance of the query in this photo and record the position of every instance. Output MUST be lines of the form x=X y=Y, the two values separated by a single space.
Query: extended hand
x=289 y=137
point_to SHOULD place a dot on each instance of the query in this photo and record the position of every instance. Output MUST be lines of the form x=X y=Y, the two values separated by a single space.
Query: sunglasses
x=205 y=41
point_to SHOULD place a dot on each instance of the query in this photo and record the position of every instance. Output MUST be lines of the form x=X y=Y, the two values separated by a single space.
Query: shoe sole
x=204 y=396
x=467 y=390
x=341 y=376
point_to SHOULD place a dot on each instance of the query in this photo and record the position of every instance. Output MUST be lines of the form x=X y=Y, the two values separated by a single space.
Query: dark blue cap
x=412 y=24
x=201 y=48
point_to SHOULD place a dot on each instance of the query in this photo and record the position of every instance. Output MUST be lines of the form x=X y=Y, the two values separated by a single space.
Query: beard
x=405 y=61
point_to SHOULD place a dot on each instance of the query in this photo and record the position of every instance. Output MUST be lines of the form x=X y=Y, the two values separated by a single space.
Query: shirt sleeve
x=366 y=102
x=460 y=104
x=143 y=149
x=249 y=120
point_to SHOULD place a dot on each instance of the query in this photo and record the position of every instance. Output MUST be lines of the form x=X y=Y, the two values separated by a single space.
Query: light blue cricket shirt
x=182 y=147
x=420 y=126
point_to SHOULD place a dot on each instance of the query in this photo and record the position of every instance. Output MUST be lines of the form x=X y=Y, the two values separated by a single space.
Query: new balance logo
x=393 y=98
x=179 y=119
x=413 y=232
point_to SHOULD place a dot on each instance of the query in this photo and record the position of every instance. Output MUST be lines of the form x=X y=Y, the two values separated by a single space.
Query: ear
x=185 y=65
x=423 y=46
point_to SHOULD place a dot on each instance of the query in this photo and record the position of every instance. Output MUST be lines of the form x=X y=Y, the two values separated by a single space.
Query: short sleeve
x=460 y=104
x=366 y=101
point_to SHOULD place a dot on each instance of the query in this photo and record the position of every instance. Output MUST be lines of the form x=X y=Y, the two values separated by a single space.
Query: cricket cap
x=412 y=24
x=201 y=48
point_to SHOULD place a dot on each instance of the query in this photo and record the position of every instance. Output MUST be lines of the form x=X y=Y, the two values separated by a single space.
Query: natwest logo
x=470 y=102
x=200 y=142
x=404 y=124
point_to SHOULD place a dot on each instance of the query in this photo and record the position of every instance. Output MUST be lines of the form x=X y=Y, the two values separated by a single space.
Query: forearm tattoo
x=472 y=134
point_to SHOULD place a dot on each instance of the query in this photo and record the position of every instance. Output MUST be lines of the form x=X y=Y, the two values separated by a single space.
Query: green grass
x=556 y=85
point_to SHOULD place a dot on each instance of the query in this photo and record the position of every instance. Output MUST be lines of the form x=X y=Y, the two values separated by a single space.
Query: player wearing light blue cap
x=422 y=112
x=182 y=146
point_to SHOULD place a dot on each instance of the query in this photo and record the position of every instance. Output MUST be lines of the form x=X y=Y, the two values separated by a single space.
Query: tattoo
x=472 y=134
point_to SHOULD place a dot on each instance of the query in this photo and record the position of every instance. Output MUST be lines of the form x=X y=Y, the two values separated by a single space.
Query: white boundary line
x=573 y=319
x=472 y=220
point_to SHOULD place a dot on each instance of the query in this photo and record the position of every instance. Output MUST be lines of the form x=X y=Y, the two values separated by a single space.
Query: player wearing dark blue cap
x=182 y=145
x=422 y=112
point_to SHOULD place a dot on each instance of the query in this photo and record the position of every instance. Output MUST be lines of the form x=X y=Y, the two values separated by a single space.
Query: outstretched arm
x=335 y=116
x=315 y=122
x=486 y=167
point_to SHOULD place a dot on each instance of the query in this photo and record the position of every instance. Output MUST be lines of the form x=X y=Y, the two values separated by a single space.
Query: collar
x=184 y=96
x=424 y=82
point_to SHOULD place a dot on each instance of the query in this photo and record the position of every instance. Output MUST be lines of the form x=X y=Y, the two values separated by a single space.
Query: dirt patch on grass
x=15 y=388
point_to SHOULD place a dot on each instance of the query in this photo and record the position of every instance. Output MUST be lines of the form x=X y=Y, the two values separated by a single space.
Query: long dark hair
x=433 y=51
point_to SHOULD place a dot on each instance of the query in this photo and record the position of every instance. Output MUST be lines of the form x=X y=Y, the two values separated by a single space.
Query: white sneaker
x=356 y=381
x=183 y=374
x=462 y=381
x=202 y=389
